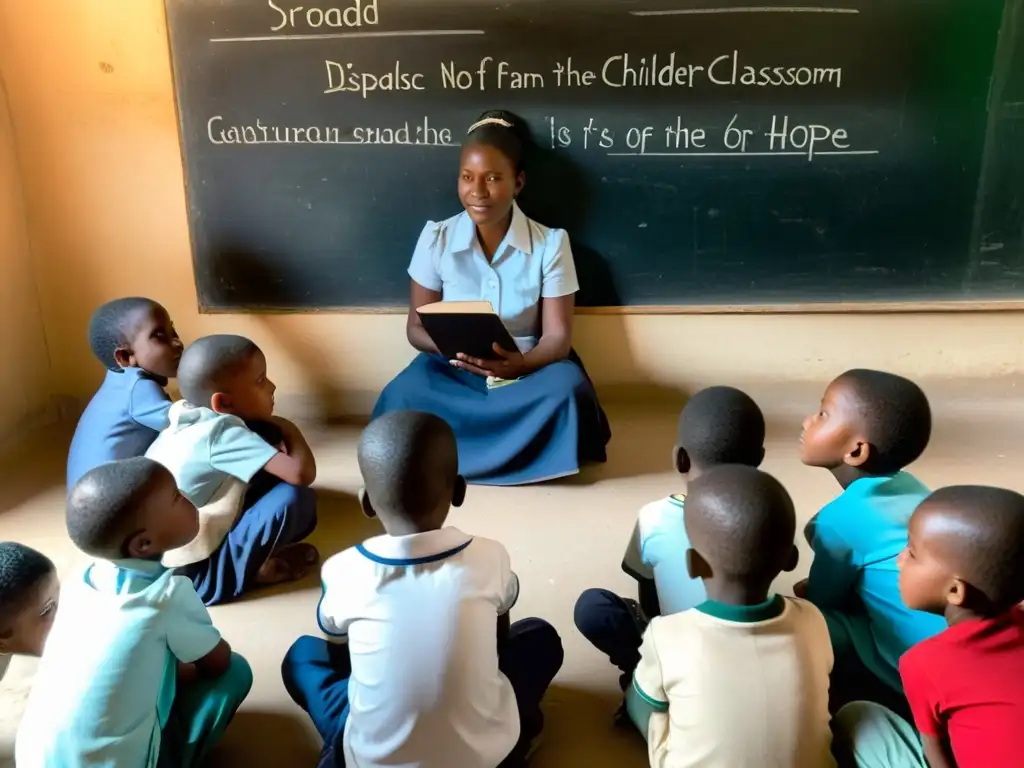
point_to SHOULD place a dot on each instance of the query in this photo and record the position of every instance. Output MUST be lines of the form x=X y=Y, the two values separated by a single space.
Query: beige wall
x=24 y=392
x=91 y=95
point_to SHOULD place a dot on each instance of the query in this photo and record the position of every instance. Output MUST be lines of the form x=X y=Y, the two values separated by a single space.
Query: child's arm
x=509 y=596
x=216 y=662
x=149 y=405
x=504 y=627
x=191 y=636
x=297 y=466
x=834 y=573
x=937 y=752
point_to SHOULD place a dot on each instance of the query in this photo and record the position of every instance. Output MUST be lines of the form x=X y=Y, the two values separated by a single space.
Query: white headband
x=489 y=121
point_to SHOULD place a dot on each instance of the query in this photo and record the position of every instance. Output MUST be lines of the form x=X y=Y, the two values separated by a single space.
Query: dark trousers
x=316 y=675
x=606 y=620
x=276 y=514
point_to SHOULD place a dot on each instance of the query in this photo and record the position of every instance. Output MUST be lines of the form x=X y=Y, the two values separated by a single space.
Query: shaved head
x=741 y=522
x=410 y=465
x=977 y=532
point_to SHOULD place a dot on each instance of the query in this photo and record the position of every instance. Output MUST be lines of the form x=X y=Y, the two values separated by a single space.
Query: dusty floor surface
x=563 y=537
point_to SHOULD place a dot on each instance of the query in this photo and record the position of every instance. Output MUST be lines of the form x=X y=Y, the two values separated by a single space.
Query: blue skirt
x=539 y=428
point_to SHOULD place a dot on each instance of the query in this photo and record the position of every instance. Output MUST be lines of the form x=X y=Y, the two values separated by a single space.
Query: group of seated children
x=195 y=503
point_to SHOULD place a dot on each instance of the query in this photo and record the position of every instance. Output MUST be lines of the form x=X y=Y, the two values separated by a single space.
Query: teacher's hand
x=507 y=365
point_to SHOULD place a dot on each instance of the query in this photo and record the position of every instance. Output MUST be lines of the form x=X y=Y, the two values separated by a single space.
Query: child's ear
x=5 y=641
x=858 y=454
x=123 y=357
x=459 y=491
x=956 y=592
x=366 y=504
x=220 y=402
x=140 y=546
x=520 y=182
x=760 y=458
x=792 y=561
x=681 y=460
x=696 y=566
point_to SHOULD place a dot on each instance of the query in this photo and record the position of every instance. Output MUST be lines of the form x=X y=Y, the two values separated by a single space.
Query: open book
x=469 y=327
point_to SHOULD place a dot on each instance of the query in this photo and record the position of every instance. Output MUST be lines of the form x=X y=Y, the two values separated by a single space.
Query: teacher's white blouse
x=531 y=263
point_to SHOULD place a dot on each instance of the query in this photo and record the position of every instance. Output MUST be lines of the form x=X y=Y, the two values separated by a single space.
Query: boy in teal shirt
x=134 y=673
x=869 y=427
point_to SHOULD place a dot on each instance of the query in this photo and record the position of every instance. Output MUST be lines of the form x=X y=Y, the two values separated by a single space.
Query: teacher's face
x=488 y=183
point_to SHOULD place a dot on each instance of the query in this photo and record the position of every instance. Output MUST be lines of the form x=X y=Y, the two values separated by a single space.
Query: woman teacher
x=547 y=422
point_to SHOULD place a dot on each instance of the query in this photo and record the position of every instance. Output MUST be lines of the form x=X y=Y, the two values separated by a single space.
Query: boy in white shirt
x=254 y=500
x=431 y=673
x=743 y=678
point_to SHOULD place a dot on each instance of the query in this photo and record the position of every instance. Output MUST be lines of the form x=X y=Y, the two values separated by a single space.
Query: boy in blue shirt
x=28 y=601
x=719 y=425
x=255 y=503
x=869 y=427
x=135 y=341
x=134 y=672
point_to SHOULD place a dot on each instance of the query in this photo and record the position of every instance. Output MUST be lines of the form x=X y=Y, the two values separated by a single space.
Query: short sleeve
x=423 y=266
x=190 y=631
x=647 y=679
x=334 y=612
x=920 y=691
x=559 y=269
x=238 y=451
x=149 y=405
x=509 y=585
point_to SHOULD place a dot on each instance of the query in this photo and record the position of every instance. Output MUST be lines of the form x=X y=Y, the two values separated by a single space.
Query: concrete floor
x=563 y=537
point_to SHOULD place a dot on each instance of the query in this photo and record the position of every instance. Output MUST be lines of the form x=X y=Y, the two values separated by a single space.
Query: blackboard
x=699 y=152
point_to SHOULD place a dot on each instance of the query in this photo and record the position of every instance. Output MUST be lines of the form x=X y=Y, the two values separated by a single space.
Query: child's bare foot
x=289 y=563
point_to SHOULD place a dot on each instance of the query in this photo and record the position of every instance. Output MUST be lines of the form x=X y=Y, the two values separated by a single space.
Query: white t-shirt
x=739 y=686
x=420 y=616
x=212 y=456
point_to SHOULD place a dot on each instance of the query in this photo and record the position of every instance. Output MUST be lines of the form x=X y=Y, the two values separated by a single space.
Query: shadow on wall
x=557 y=194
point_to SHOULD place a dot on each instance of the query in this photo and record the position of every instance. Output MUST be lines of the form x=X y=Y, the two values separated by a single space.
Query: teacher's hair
x=504 y=131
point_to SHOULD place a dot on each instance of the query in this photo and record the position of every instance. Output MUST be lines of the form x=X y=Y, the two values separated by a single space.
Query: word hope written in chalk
x=784 y=137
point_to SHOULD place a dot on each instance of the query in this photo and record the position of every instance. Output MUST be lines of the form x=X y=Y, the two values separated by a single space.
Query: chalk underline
x=341 y=143
x=745 y=9
x=805 y=153
x=349 y=35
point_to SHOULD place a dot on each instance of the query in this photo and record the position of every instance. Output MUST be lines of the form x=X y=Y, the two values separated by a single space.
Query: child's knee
x=591 y=610
x=298 y=656
x=238 y=678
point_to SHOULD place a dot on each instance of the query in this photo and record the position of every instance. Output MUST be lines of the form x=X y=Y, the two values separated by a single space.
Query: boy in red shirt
x=965 y=686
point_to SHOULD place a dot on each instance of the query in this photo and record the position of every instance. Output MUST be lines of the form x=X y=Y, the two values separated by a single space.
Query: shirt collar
x=124 y=576
x=745 y=614
x=416 y=548
x=184 y=413
x=518 y=235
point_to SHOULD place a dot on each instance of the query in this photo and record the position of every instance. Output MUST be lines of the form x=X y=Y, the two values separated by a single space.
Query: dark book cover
x=471 y=333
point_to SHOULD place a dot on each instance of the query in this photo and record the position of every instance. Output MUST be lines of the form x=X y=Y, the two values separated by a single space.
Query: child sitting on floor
x=134 y=672
x=255 y=503
x=422 y=680
x=135 y=341
x=964 y=561
x=29 y=591
x=719 y=425
x=742 y=679
x=870 y=425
